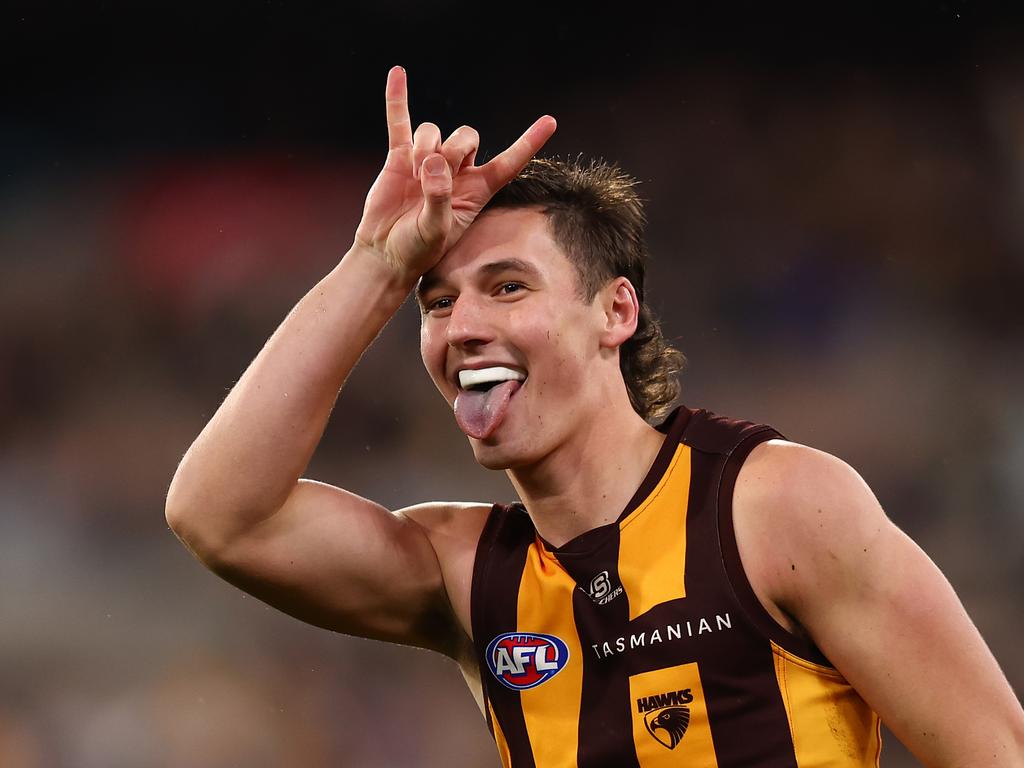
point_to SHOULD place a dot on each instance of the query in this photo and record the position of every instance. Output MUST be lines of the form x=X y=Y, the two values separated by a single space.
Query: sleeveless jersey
x=641 y=644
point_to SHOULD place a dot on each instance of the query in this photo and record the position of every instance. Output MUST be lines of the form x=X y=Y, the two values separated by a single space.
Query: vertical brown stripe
x=748 y=717
x=499 y=739
x=605 y=727
x=497 y=572
x=737 y=577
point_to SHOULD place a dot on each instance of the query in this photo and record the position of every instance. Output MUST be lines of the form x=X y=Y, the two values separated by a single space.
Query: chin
x=491 y=454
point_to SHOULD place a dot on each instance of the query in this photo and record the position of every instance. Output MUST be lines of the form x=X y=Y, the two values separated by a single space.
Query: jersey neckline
x=587 y=542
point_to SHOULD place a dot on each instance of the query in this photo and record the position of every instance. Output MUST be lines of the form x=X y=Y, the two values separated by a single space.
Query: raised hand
x=428 y=193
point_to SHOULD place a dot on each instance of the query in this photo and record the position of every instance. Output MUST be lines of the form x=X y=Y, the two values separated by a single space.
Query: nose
x=468 y=324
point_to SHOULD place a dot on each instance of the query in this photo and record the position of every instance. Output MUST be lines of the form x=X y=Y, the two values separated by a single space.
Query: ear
x=621 y=312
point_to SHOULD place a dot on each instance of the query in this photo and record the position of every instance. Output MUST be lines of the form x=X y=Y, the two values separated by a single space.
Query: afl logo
x=522 y=660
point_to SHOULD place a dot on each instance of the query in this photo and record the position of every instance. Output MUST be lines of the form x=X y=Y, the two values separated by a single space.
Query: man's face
x=504 y=303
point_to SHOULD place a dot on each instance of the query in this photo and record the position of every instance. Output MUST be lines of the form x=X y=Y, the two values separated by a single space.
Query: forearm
x=246 y=461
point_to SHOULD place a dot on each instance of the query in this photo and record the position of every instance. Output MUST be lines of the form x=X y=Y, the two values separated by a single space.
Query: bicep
x=889 y=620
x=908 y=646
x=334 y=559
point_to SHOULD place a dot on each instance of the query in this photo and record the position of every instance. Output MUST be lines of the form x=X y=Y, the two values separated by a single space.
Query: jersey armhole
x=481 y=558
x=735 y=573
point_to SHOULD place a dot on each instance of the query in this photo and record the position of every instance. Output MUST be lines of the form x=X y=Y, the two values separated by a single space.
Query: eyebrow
x=428 y=282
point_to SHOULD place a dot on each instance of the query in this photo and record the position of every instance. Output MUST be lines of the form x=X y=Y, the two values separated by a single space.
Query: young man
x=702 y=593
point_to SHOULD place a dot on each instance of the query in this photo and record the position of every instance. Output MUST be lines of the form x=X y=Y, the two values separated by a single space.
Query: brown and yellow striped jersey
x=641 y=643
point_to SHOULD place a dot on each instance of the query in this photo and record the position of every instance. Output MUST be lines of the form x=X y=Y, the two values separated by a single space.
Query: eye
x=445 y=302
x=510 y=287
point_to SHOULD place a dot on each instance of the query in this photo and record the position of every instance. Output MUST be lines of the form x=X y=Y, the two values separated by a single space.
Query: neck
x=588 y=481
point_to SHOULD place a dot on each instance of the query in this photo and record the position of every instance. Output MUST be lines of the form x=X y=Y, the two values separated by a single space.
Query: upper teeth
x=468 y=378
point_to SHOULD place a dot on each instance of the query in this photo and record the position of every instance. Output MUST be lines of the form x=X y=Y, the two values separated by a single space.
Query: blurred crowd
x=843 y=262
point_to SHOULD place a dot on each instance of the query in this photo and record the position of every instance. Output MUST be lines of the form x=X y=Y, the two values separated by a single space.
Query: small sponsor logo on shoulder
x=522 y=660
x=601 y=590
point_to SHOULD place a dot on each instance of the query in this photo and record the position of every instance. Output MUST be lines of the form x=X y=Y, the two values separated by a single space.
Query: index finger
x=504 y=167
x=396 y=96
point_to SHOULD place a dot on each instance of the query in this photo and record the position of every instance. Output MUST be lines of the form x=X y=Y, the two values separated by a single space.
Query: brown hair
x=598 y=220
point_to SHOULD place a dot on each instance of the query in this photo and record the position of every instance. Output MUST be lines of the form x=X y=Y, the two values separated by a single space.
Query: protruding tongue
x=480 y=412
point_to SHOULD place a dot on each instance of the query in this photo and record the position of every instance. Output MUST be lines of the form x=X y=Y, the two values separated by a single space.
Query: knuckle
x=441 y=191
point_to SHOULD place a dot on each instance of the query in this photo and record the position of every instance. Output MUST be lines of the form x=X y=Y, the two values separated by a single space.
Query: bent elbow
x=193 y=522
x=182 y=525
x=176 y=518
x=208 y=526
x=177 y=506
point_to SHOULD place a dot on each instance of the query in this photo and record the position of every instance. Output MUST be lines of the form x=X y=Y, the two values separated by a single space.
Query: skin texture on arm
x=237 y=501
x=824 y=559
x=338 y=561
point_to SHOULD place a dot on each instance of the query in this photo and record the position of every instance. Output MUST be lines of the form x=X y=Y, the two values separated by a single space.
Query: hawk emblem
x=668 y=725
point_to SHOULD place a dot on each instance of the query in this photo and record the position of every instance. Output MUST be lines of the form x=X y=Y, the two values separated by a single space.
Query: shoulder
x=453 y=529
x=804 y=519
x=783 y=472
x=448 y=518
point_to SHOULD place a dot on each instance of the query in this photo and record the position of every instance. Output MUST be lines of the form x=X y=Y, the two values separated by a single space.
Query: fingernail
x=435 y=165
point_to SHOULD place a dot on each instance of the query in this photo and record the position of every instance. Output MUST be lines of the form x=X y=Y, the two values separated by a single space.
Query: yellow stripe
x=671 y=733
x=552 y=709
x=652 y=540
x=830 y=723
x=499 y=739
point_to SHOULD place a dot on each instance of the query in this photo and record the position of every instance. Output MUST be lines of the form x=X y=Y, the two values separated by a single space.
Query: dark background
x=836 y=204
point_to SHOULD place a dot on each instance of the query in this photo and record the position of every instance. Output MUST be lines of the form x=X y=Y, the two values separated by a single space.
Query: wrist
x=375 y=272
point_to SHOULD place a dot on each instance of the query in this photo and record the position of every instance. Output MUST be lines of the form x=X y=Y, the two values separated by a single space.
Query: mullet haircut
x=597 y=219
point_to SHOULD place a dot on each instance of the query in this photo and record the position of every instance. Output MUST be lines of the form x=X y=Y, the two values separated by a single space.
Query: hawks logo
x=522 y=660
x=666 y=716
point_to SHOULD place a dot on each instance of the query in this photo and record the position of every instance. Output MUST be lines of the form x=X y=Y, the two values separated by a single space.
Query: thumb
x=435 y=218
